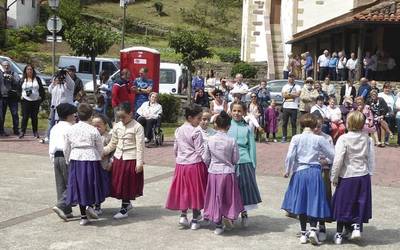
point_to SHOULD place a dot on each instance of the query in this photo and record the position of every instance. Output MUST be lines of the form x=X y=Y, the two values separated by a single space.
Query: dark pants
x=148 y=125
x=323 y=72
x=332 y=74
x=30 y=109
x=13 y=106
x=292 y=113
x=309 y=73
x=342 y=75
x=398 y=130
x=285 y=74
x=61 y=173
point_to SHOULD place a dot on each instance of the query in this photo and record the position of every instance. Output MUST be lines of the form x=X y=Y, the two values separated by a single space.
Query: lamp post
x=53 y=4
x=124 y=5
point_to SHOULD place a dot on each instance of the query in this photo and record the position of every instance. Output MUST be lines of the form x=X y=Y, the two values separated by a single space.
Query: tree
x=192 y=46
x=70 y=12
x=90 y=40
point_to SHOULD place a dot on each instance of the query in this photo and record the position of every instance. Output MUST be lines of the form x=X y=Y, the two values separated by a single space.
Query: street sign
x=123 y=3
x=58 y=24
x=50 y=39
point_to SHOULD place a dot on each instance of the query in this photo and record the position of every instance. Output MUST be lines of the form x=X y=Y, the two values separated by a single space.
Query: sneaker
x=313 y=237
x=228 y=225
x=219 y=230
x=183 y=221
x=98 y=211
x=69 y=216
x=84 y=222
x=387 y=143
x=45 y=140
x=22 y=135
x=60 y=213
x=91 y=213
x=120 y=215
x=146 y=140
x=266 y=140
x=356 y=234
x=283 y=140
x=337 y=239
x=275 y=140
x=303 y=238
x=195 y=225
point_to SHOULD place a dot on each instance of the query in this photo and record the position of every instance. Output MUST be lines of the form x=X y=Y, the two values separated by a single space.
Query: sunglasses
x=253 y=96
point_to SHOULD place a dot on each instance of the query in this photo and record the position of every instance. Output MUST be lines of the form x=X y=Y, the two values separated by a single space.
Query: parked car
x=84 y=67
x=172 y=75
x=275 y=89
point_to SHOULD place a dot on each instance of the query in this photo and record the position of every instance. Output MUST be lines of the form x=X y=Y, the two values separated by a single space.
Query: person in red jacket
x=122 y=91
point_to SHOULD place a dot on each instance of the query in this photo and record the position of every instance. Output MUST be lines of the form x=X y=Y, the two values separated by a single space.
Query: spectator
x=309 y=66
x=240 y=87
x=254 y=114
x=79 y=91
x=32 y=95
x=329 y=88
x=286 y=66
x=319 y=110
x=62 y=91
x=10 y=93
x=346 y=107
x=369 y=126
x=225 y=89
x=291 y=93
x=347 y=90
x=201 y=98
x=122 y=91
x=379 y=109
x=211 y=83
x=364 y=89
x=322 y=65
x=333 y=61
x=341 y=67
x=334 y=114
x=367 y=65
x=351 y=65
x=197 y=82
x=321 y=93
x=105 y=91
x=390 y=100
x=373 y=84
x=263 y=94
x=397 y=109
x=143 y=87
x=217 y=105
x=150 y=116
x=308 y=96
x=295 y=67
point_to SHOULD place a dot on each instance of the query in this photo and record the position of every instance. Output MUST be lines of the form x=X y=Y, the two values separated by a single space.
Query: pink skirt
x=126 y=184
x=188 y=187
x=222 y=198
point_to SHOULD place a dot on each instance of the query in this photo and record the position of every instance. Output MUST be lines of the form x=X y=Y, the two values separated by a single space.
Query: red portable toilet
x=135 y=58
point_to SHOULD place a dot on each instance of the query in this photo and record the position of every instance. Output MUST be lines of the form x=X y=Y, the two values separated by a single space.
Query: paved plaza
x=27 y=193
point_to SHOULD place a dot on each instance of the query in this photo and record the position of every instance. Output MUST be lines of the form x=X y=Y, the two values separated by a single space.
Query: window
x=167 y=76
x=85 y=67
x=33 y=3
x=109 y=67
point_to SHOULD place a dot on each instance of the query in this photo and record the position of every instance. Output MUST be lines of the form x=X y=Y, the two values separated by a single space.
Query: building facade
x=22 y=13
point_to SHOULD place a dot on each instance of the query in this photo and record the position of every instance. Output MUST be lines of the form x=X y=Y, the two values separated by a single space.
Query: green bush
x=247 y=70
x=171 y=107
x=229 y=56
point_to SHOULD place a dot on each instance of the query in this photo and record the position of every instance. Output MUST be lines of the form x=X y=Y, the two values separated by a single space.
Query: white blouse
x=333 y=114
x=150 y=111
x=33 y=87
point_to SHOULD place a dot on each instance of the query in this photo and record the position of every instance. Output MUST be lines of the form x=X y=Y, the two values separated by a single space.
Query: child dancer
x=127 y=167
x=223 y=200
x=205 y=121
x=99 y=121
x=246 y=167
x=306 y=195
x=351 y=174
x=190 y=178
x=66 y=112
x=83 y=149
x=271 y=115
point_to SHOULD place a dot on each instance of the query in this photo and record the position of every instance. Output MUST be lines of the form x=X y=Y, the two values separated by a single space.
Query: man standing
x=10 y=93
x=240 y=87
x=308 y=67
x=341 y=66
x=197 y=82
x=351 y=66
x=79 y=91
x=143 y=88
x=290 y=93
x=323 y=65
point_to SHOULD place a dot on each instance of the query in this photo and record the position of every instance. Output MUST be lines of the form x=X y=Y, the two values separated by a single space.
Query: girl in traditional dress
x=190 y=178
x=271 y=115
x=246 y=167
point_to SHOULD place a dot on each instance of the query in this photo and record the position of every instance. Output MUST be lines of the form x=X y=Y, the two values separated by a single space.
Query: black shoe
x=16 y=133
x=21 y=136
x=36 y=135
x=4 y=134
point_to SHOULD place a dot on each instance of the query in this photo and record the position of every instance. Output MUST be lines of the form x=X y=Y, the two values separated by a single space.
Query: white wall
x=245 y=23
x=23 y=14
x=315 y=14
x=287 y=18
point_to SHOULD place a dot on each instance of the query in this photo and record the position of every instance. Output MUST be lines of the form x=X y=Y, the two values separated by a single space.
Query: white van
x=172 y=77
x=84 y=67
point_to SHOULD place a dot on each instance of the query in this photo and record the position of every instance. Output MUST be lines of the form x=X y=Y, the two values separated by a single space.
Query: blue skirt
x=246 y=174
x=306 y=194
x=88 y=183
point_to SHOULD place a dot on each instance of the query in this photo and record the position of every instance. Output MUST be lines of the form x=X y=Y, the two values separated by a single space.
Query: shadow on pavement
x=373 y=236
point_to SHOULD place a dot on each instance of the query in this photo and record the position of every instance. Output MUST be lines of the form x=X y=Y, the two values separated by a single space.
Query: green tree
x=90 y=40
x=70 y=12
x=192 y=46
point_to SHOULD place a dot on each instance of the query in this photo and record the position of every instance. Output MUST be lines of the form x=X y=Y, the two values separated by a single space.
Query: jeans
x=30 y=109
x=292 y=113
x=13 y=106
x=148 y=125
x=398 y=129
x=52 y=121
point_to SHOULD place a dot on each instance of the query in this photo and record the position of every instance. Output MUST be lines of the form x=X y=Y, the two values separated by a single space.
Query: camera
x=28 y=92
x=8 y=77
x=61 y=74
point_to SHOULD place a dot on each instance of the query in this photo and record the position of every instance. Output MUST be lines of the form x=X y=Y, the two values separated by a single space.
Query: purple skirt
x=222 y=198
x=88 y=183
x=352 y=201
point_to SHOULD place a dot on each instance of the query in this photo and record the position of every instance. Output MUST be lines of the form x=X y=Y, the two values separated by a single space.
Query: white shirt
x=83 y=142
x=323 y=61
x=354 y=156
x=329 y=89
x=389 y=99
x=291 y=103
x=150 y=111
x=351 y=64
x=62 y=92
x=342 y=63
x=240 y=88
x=32 y=86
x=322 y=110
x=333 y=114
x=347 y=93
x=57 y=137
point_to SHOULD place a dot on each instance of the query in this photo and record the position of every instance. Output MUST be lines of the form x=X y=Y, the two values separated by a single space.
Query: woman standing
x=32 y=95
x=218 y=104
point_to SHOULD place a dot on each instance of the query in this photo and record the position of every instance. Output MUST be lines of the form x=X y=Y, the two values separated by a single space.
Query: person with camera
x=32 y=95
x=10 y=92
x=62 y=91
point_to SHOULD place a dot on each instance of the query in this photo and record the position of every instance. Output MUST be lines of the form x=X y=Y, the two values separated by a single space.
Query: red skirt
x=188 y=187
x=126 y=184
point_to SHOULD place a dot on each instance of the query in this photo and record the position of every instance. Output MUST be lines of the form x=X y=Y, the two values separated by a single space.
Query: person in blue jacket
x=143 y=86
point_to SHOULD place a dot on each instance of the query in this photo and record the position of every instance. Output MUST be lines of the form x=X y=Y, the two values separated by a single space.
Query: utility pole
x=53 y=45
x=125 y=5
